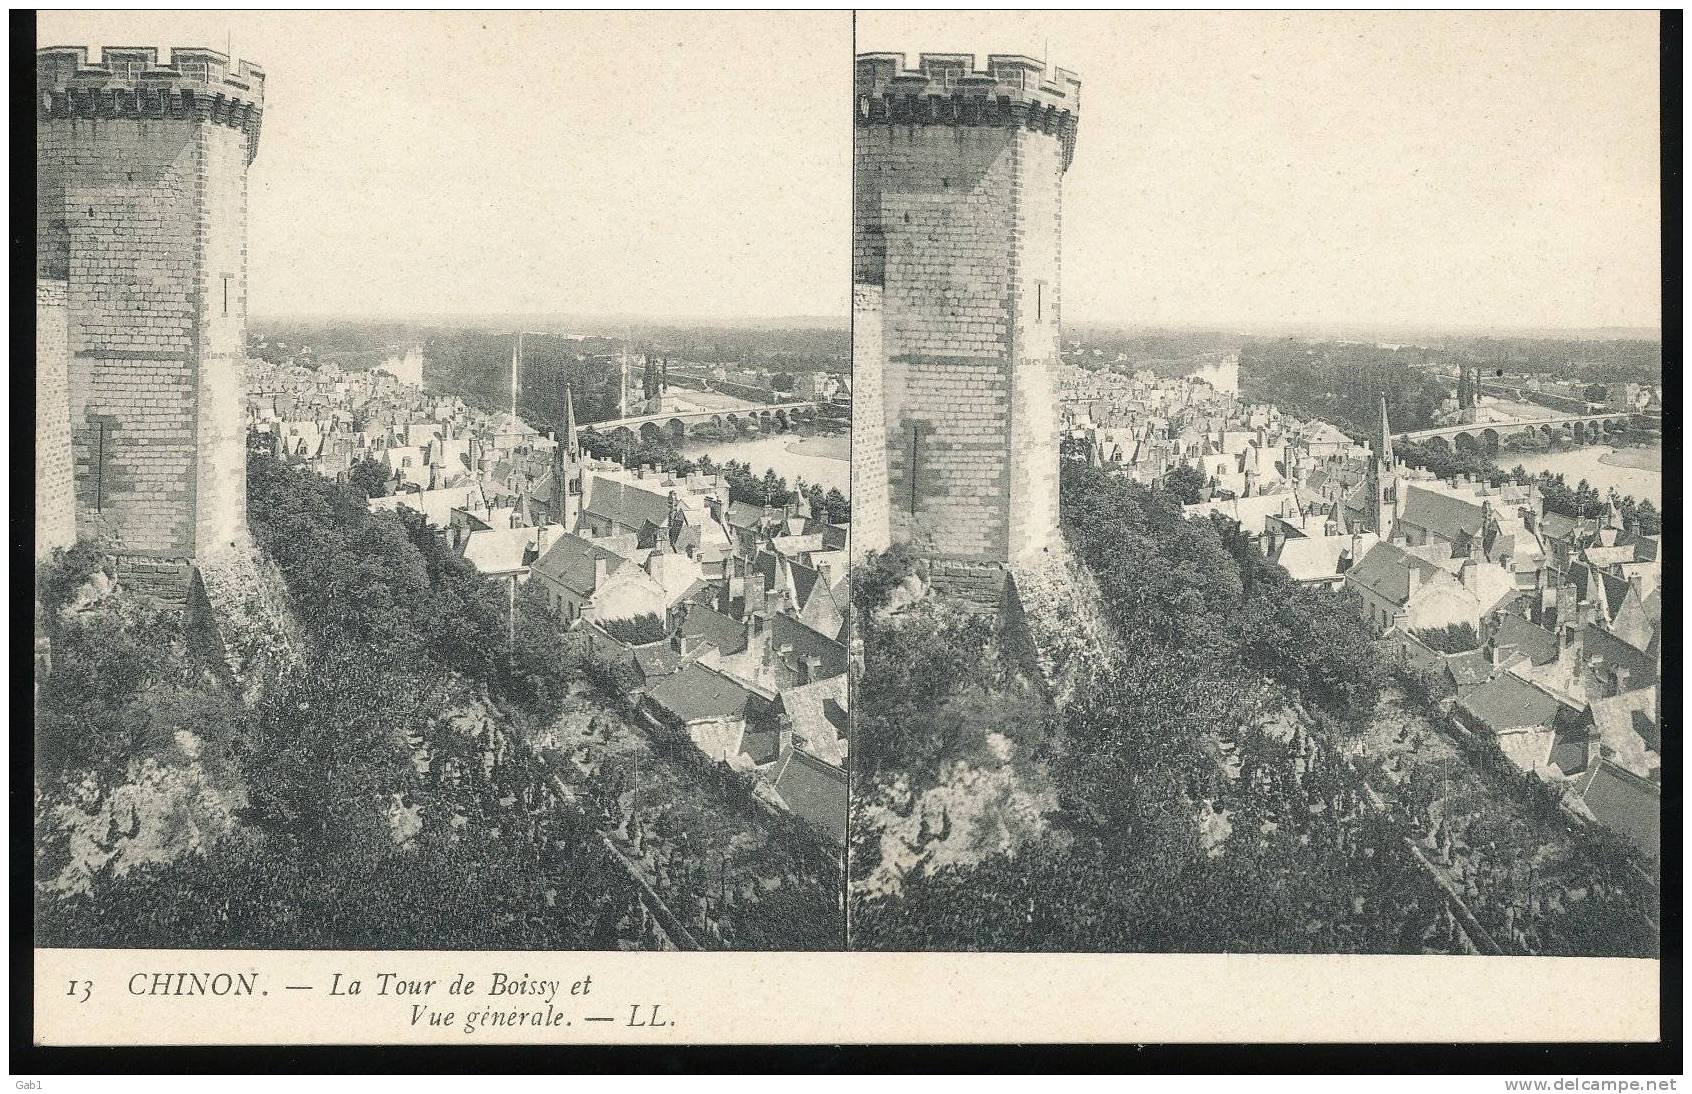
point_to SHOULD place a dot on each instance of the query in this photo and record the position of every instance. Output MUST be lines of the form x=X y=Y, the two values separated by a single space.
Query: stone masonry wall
x=141 y=176
x=946 y=298
x=55 y=500
x=1037 y=223
x=221 y=476
x=869 y=529
x=956 y=219
x=131 y=226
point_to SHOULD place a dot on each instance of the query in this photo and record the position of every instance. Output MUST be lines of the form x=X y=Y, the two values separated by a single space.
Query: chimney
x=811 y=671
x=1412 y=582
x=1620 y=673
x=599 y=572
x=1468 y=574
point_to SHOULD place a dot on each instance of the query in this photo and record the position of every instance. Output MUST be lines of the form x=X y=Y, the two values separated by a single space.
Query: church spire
x=1383 y=440
x=569 y=421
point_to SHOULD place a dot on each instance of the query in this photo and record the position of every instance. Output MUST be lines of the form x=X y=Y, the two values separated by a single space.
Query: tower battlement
x=947 y=89
x=129 y=82
x=141 y=263
x=957 y=266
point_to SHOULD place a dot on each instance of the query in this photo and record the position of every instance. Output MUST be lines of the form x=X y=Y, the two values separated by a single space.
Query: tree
x=1451 y=638
x=637 y=631
x=370 y=477
x=1186 y=483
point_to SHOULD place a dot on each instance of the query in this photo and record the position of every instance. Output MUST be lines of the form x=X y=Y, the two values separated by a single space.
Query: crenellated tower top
x=129 y=82
x=947 y=89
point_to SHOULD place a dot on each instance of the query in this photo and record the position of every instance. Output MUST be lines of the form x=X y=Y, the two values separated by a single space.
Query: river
x=1602 y=466
x=1224 y=376
x=819 y=458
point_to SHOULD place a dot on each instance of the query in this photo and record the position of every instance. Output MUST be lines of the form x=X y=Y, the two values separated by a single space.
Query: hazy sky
x=1437 y=169
x=667 y=164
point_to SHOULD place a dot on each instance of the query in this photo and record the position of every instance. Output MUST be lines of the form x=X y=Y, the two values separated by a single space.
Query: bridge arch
x=676 y=428
x=1465 y=442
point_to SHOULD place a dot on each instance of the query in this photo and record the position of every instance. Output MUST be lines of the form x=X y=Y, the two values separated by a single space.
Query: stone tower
x=956 y=224
x=141 y=261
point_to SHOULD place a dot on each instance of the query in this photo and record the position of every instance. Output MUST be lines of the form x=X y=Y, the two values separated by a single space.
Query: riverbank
x=1636 y=470
x=823 y=459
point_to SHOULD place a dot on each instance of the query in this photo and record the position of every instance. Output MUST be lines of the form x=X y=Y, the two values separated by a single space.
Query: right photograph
x=1257 y=495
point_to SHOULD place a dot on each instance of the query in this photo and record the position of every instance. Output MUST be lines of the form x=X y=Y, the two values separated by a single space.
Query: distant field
x=1527 y=411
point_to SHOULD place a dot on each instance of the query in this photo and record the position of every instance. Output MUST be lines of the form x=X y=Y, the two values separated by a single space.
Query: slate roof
x=1313 y=558
x=807 y=643
x=1559 y=526
x=814 y=791
x=1537 y=643
x=629 y=506
x=1472 y=667
x=504 y=550
x=656 y=659
x=570 y=562
x=743 y=514
x=1626 y=804
x=1610 y=651
x=1440 y=513
x=1325 y=433
x=1508 y=702
x=723 y=632
x=1569 y=751
x=818 y=714
x=1385 y=570
x=696 y=693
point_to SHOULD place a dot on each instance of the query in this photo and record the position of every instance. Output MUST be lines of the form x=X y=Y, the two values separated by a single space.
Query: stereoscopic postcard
x=689 y=527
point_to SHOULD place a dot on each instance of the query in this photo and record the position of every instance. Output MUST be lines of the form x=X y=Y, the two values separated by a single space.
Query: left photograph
x=442 y=480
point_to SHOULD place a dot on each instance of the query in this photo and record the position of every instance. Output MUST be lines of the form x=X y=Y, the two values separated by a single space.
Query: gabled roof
x=1625 y=804
x=629 y=506
x=1472 y=667
x=815 y=792
x=1602 y=646
x=1530 y=639
x=785 y=631
x=570 y=562
x=1313 y=558
x=704 y=622
x=1628 y=724
x=696 y=693
x=656 y=659
x=1508 y=702
x=1441 y=513
x=505 y=550
x=1559 y=526
x=818 y=714
x=1385 y=570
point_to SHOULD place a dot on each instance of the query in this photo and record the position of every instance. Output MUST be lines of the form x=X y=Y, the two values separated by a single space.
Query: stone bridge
x=1487 y=436
x=772 y=417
